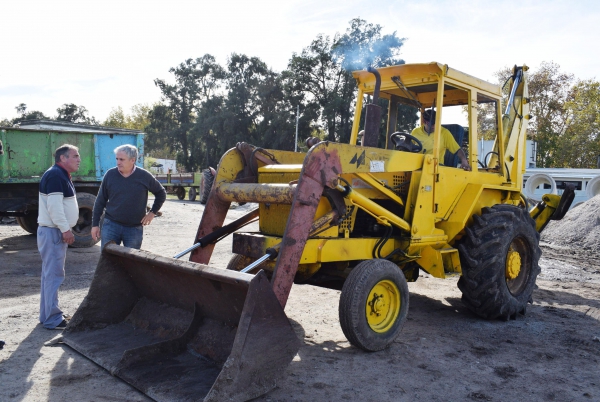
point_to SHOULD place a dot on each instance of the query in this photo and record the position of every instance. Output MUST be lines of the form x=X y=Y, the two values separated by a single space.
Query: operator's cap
x=429 y=115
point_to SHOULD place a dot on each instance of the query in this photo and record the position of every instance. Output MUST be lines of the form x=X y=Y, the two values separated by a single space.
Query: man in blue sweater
x=58 y=213
x=124 y=194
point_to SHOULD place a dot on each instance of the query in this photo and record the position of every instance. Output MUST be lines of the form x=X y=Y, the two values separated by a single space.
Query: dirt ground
x=444 y=352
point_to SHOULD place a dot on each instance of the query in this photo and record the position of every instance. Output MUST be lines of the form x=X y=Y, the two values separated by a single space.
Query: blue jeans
x=53 y=252
x=131 y=236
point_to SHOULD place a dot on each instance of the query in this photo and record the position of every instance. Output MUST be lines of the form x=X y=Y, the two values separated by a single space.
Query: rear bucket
x=181 y=331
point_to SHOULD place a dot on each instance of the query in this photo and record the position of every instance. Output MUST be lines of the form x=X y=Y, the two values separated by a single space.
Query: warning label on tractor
x=377 y=166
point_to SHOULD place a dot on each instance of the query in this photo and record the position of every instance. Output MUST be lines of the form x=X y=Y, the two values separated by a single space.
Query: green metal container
x=29 y=152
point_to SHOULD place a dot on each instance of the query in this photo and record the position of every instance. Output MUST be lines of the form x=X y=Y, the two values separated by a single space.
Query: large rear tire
x=373 y=304
x=207 y=182
x=83 y=229
x=499 y=255
x=28 y=222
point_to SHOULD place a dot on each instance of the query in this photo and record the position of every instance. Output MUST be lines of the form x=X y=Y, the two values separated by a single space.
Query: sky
x=105 y=54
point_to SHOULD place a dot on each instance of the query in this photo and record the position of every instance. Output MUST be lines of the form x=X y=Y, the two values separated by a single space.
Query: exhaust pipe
x=373 y=114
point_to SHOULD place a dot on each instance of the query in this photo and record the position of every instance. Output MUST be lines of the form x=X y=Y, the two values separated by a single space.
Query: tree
x=72 y=113
x=25 y=115
x=321 y=79
x=116 y=118
x=139 y=118
x=195 y=79
x=579 y=145
x=323 y=72
x=255 y=109
x=549 y=89
x=363 y=45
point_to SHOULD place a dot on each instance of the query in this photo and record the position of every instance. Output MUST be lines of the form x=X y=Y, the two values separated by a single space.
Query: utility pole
x=297 y=118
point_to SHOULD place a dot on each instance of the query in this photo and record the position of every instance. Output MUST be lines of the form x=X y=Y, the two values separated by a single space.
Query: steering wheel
x=406 y=142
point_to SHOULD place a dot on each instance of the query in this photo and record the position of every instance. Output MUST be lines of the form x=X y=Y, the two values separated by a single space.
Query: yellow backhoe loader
x=367 y=218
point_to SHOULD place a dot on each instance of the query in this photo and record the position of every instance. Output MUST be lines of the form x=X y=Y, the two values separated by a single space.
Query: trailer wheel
x=373 y=304
x=207 y=182
x=83 y=229
x=192 y=194
x=180 y=192
x=28 y=222
x=499 y=255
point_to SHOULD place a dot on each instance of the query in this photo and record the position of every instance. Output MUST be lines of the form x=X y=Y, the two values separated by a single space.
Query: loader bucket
x=181 y=331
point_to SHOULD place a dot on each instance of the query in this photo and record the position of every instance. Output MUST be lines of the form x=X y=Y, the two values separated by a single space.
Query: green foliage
x=72 y=113
x=565 y=117
x=579 y=145
x=322 y=73
x=139 y=118
x=195 y=80
x=23 y=116
x=548 y=91
x=209 y=108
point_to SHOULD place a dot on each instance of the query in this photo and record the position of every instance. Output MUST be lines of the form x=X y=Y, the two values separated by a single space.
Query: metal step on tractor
x=367 y=218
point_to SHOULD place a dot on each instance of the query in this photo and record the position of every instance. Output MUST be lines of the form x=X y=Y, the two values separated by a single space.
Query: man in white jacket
x=58 y=213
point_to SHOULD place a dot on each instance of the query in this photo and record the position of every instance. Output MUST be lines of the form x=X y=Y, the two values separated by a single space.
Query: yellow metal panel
x=230 y=165
x=431 y=261
x=451 y=260
x=316 y=250
x=422 y=222
x=462 y=211
x=285 y=157
x=281 y=169
x=378 y=184
x=331 y=250
x=381 y=214
x=273 y=217
x=419 y=74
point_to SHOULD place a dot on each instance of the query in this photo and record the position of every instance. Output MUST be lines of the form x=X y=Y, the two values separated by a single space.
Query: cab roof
x=416 y=84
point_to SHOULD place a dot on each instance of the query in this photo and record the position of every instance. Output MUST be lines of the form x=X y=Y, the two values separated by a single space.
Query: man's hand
x=464 y=163
x=146 y=220
x=68 y=237
x=95 y=232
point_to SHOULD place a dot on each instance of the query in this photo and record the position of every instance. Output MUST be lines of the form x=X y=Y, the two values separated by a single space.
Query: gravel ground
x=444 y=353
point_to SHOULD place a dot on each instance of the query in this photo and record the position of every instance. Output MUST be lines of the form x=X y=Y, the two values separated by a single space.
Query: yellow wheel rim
x=513 y=264
x=383 y=306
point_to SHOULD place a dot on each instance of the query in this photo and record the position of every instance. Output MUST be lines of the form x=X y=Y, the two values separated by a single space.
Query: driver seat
x=458 y=132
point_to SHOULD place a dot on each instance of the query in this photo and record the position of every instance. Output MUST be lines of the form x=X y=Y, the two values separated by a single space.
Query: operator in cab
x=447 y=141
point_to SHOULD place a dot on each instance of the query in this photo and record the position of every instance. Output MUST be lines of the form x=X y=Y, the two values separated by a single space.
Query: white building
x=163 y=166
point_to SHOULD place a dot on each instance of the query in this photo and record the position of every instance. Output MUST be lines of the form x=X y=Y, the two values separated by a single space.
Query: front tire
x=180 y=192
x=373 y=304
x=499 y=255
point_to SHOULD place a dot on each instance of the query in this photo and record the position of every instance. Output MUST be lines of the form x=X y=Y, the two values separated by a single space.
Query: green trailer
x=28 y=153
x=197 y=184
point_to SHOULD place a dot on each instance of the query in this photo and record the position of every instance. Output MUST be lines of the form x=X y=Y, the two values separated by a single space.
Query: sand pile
x=579 y=230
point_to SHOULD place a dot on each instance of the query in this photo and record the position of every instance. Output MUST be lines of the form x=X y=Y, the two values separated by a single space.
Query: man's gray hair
x=63 y=150
x=129 y=150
